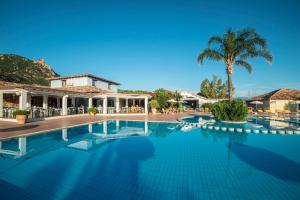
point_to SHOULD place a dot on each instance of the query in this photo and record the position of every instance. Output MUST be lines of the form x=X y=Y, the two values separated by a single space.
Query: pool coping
x=81 y=124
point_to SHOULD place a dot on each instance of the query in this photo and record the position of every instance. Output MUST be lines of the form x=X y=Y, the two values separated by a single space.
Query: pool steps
x=188 y=126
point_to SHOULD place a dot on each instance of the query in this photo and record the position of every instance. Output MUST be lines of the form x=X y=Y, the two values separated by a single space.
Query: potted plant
x=92 y=111
x=154 y=106
x=21 y=116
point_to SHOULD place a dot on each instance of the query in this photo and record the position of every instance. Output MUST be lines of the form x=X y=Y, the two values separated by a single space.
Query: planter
x=92 y=114
x=248 y=130
x=234 y=122
x=223 y=128
x=153 y=110
x=231 y=129
x=21 y=119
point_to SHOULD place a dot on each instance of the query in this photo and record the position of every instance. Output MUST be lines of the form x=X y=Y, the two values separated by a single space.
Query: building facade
x=278 y=100
x=69 y=95
x=194 y=100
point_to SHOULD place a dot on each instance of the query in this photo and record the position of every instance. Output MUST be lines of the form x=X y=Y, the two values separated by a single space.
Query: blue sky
x=152 y=44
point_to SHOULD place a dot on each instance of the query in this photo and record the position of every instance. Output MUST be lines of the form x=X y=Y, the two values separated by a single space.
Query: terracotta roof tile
x=85 y=89
x=280 y=94
x=77 y=90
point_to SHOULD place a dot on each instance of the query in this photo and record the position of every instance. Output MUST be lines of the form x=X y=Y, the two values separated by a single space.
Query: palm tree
x=234 y=48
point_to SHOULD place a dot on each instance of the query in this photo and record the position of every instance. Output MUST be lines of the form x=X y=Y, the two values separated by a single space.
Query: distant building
x=277 y=100
x=194 y=100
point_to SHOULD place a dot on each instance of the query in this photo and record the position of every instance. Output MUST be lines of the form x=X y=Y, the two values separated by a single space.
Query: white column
x=64 y=134
x=65 y=105
x=146 y=105
x=73 y=101
x=105 y=127
x=58 y=102
x=22 y=100
x=117 y=125
x=90 y=102
x=45 y=101
x=146 y=126
x=126 y=104
x=117 y=104
x=90 y=128
x=1 y=104
x=28 y=105
x=22 y=146
x=105 y=105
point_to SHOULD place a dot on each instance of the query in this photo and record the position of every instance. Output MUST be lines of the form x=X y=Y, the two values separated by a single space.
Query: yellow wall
x=279 y=105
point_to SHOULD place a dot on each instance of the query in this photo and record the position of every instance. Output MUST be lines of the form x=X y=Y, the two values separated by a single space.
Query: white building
x=84 y=80
x=69 y=95
x=194 y=100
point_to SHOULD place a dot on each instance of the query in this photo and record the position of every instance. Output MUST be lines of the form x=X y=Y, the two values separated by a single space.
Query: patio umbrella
x=256 y=103
x=172 y=101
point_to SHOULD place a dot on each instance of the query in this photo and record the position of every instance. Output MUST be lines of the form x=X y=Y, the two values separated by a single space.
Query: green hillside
x=18 y=69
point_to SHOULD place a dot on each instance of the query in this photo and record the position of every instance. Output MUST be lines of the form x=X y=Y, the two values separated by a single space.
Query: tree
x=162 y=96
x=205 y=88
x=234 y=48
x=214 y=89
x=177 y=97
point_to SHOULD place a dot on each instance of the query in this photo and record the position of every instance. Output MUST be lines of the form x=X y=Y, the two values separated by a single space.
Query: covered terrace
x=45 y=102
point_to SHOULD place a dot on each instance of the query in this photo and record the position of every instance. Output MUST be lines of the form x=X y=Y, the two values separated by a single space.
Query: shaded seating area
x=43 y=102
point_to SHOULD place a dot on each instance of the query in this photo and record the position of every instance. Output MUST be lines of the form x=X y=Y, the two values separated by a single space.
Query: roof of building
x=280 y=94
x=85 y=89
x=83 y=75
x=34 y=87
x=72 y=90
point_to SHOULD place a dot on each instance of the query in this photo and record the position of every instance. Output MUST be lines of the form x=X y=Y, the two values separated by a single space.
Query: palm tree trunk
x=229 y=81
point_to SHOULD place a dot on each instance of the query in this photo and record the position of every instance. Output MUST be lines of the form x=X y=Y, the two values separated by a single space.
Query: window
x=94 y=82
x=109 y=86
x=64 y=83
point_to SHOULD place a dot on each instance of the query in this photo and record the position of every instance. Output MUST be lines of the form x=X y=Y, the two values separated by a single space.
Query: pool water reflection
x=147 y=160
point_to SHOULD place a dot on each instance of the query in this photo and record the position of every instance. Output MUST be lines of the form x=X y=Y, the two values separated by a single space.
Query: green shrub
x=154 y=104
x=21 y=112
x=235 y=110
x=207 y=105
x=92 y=110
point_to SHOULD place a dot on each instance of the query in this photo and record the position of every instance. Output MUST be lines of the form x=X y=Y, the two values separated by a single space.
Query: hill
x=18 y=69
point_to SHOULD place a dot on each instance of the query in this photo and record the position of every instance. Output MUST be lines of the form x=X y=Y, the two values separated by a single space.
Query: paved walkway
x=11 y=129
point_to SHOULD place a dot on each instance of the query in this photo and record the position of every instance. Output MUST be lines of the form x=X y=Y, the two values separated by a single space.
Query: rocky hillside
x=18 y=69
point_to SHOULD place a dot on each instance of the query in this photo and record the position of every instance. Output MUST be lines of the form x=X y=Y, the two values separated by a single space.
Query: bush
x=235 y=110
x=154 y=104
x=21 y=112
x=92 y=110
x=207 y=105
x=162 y=96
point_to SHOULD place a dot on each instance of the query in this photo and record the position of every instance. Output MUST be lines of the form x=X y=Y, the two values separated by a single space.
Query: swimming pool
x=260 y=123
x=149 y=160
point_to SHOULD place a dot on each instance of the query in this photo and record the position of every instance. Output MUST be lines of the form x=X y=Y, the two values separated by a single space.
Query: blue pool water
x=252 y=123
x=147 y=160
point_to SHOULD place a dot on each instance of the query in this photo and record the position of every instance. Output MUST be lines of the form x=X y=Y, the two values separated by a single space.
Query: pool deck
x=11 y=129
